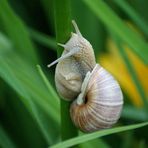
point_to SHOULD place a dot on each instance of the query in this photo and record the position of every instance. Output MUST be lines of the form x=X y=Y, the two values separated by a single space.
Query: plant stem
x=63 y=32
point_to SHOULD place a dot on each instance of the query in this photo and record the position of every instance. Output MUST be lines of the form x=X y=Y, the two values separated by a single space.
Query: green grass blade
x=132 y=72
x=5 y=141
x=94 y=143
x=19 y=122
x=114 y=23
x=133 y=15
x=127 y=139
x=43 y=39
x=49 y=11
x=63 y=33
x=26 y=82
x=5 y=44
x=43 y=121
x=97 y=134
x=26 y=99
x=51 y=90
x=17 y=31
x=130 y=112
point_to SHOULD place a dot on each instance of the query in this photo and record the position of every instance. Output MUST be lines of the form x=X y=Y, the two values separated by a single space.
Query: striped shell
x=102 y=104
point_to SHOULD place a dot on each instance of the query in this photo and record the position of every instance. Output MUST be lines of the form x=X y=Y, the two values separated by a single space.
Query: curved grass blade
x=133 y=15
x=5 y=140
x=51 y=90
x=114 y=23
x=98 y=134
x=5 y=44
x=63 y=31
x=94 y=143
x=17 y=31
x=131 y=71
x=43 y=39
x=130 y=112
x=28 y=85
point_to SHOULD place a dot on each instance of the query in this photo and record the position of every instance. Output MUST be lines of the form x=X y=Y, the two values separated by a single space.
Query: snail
x=96 y=95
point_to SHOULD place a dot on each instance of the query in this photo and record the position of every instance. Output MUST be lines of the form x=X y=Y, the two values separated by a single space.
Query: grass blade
x=45 y=124
x=43 y=39
x=18 y=33
x=114 y=23
x=94 y=143
x=51 y=90
x=133 y=15
x=5 y=141
x=132 y=72
x=130 y=112
x=97 y=134
x=63 y=32
x=27 y=100
x=5 y=44
x=25 y=81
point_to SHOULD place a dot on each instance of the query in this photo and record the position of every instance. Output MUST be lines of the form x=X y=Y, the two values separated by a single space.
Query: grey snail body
x=96 y=95
x=76 y=60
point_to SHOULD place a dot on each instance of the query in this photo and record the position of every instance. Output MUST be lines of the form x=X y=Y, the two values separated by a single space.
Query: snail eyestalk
x=70 y=53
x=76 y=28
x=62 y=45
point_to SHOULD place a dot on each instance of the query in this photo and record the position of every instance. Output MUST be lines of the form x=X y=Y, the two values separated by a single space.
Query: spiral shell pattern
x=102 y=104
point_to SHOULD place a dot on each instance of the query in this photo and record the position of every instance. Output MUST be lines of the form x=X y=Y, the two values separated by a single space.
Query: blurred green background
x=29 y=104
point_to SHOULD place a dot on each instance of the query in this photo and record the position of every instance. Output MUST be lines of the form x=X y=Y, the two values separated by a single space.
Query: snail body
x=77 y=59
x=96 y=95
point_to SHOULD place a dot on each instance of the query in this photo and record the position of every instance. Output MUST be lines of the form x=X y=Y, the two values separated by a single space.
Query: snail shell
x=100 y=102
x=76 y=60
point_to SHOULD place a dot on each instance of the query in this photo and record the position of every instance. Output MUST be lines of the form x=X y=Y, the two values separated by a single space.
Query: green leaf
x=63 y=32
x=131 y=71
x=25 y=80
x=5 y=141
x=48 y=8
x=17 y=31
x=43 y=39
x=114 y=23
x=43 y=121
x=5 y=44
x=94 y=143
x=133 y=15
x=50 y=89
x=98 y=134
x=130 y=112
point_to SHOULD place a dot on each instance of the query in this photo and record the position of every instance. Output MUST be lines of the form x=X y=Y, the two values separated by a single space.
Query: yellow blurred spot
x=113 y=62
